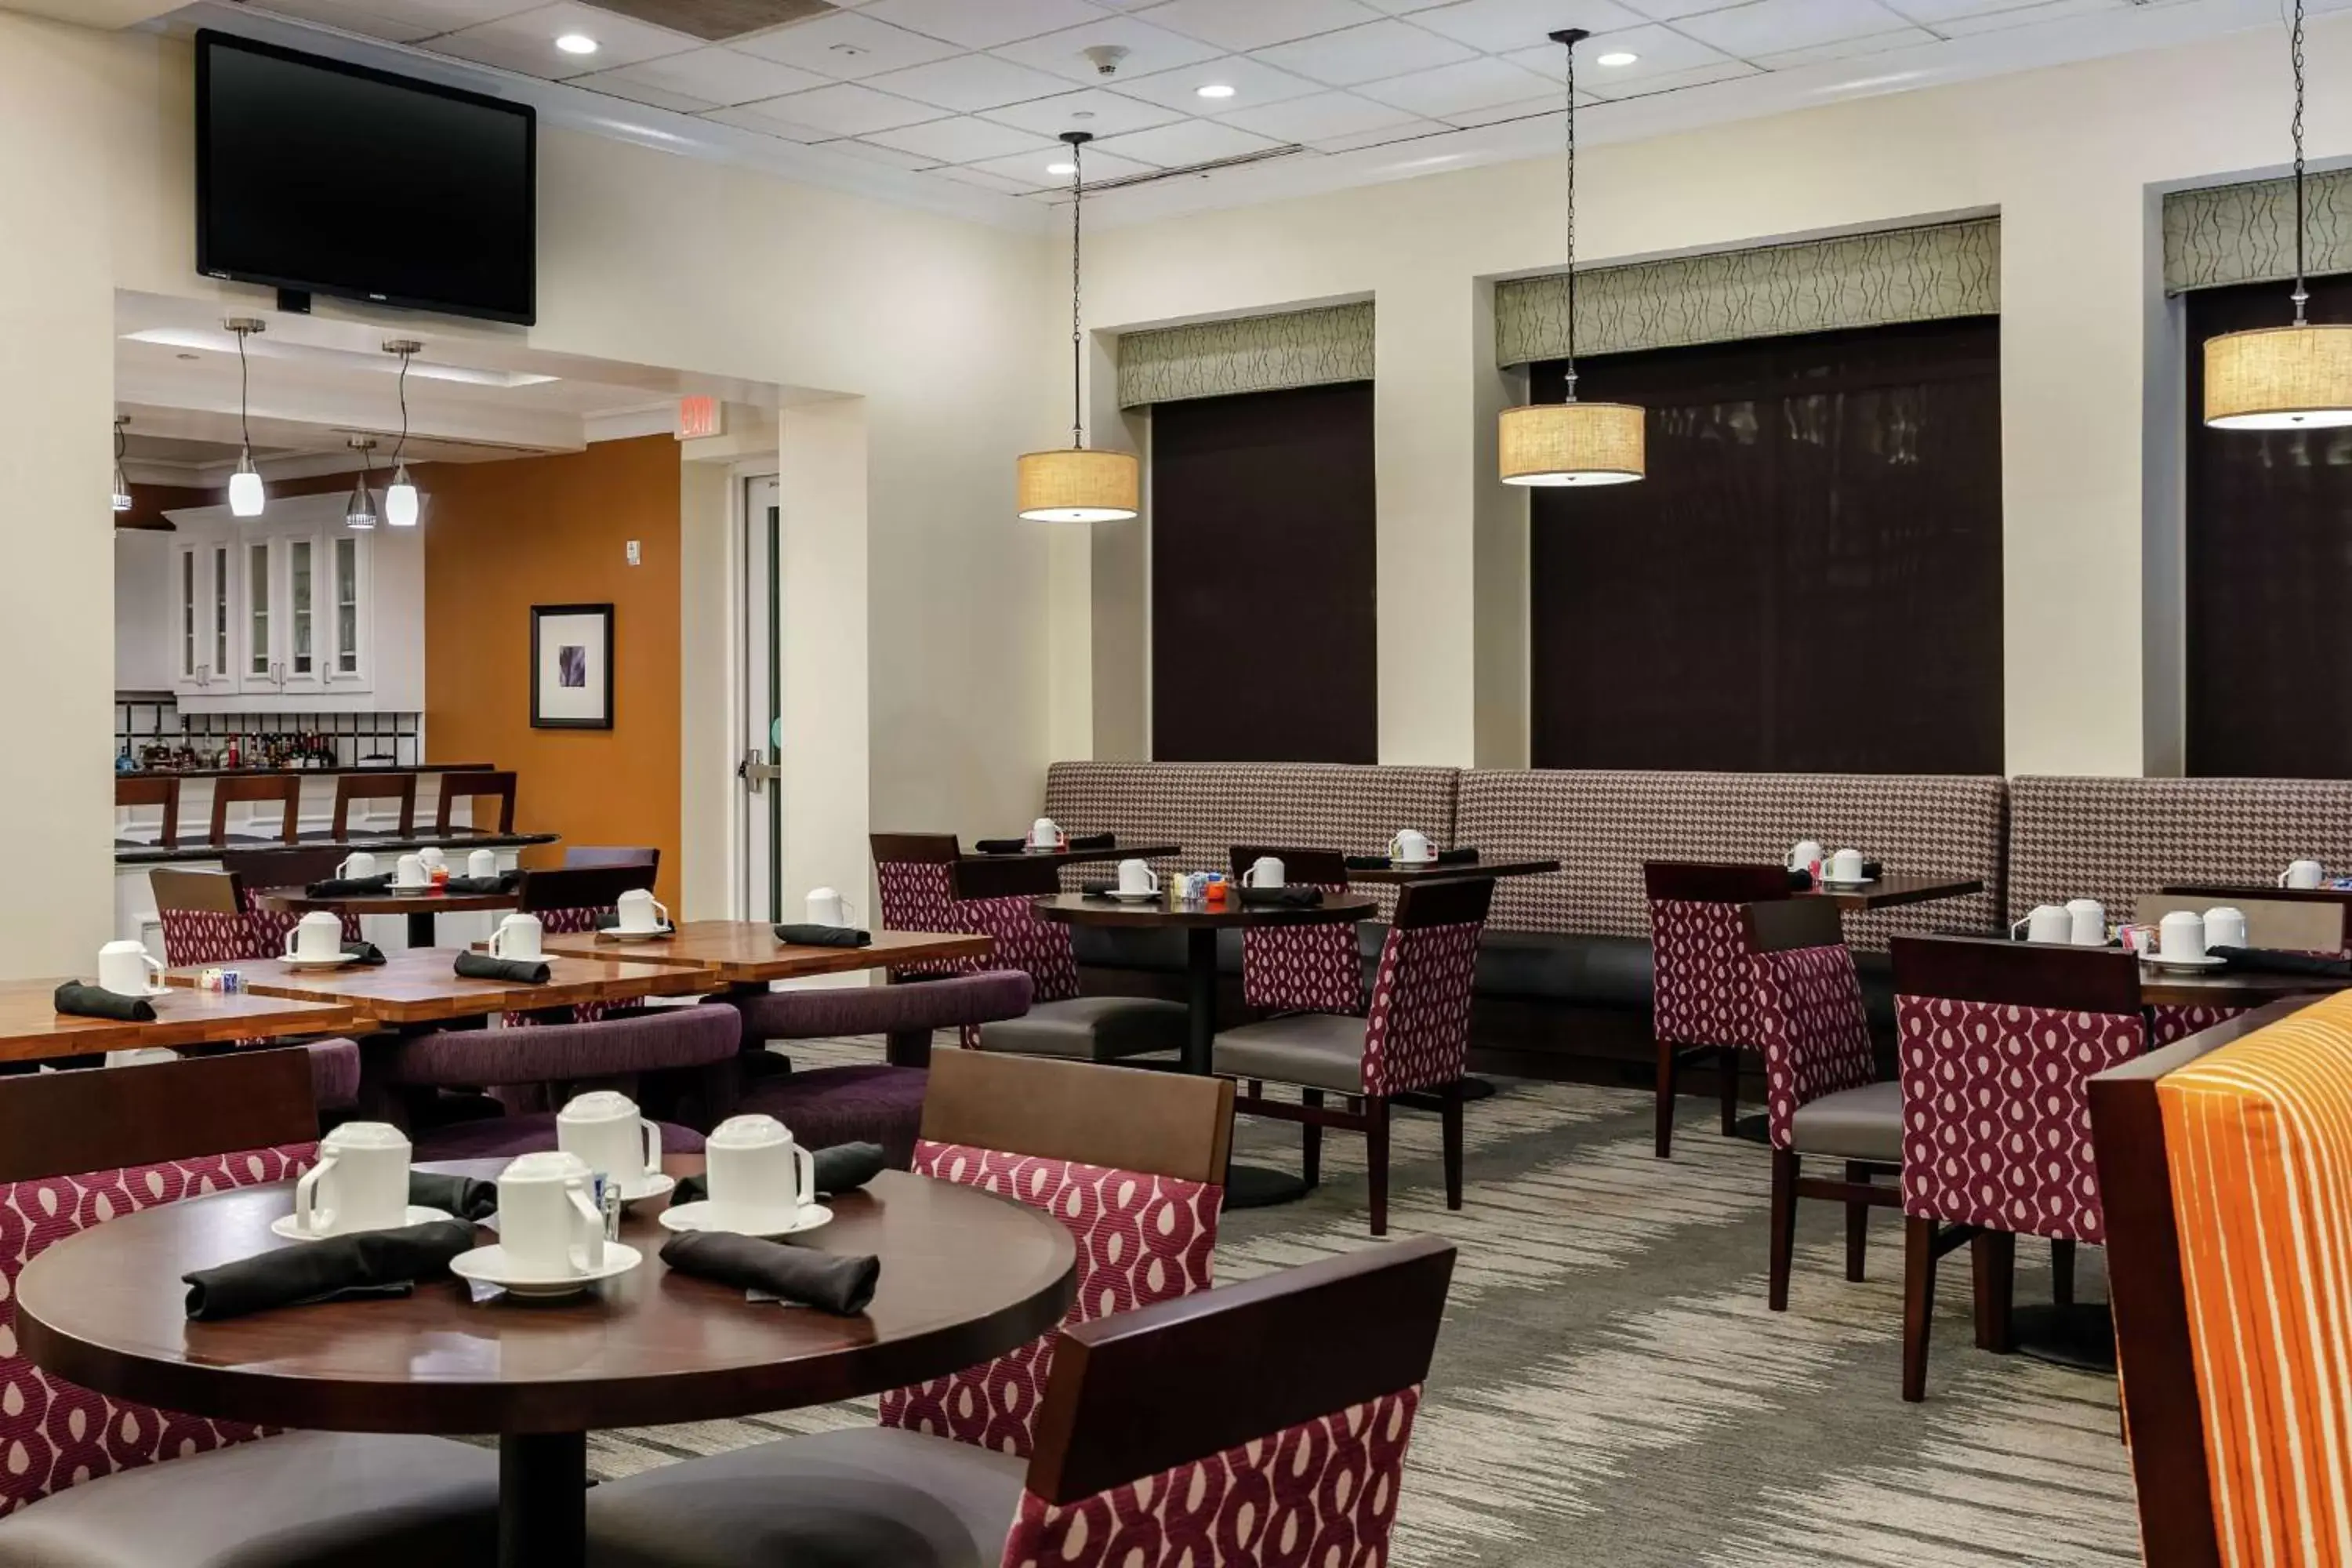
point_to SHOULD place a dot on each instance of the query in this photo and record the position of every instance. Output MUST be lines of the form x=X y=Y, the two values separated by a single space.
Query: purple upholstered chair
x=1301 y=969
x=1699 y=954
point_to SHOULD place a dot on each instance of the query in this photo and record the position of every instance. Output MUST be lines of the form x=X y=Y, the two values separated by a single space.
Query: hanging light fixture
x=400 y=500
x=1568 y=442
x=121 y=480
x=361 y=513
x=2296 y=377
x=1075 y=485
x=245 y=493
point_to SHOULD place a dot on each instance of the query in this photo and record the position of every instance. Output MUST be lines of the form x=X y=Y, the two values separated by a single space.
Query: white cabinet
x=283 y=585
x=204 y=591
x=346 y=603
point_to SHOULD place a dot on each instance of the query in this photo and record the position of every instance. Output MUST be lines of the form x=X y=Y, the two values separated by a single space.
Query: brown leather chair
x=283 y=789
x=132 y=790
x=353 y=787
x=475 y=788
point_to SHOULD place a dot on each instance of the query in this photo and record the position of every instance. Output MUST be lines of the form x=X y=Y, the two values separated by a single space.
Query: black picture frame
x=550 y=710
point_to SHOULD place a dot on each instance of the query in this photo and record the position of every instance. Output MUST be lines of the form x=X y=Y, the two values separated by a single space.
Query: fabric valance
x=1249 y=354
x=2245 y=233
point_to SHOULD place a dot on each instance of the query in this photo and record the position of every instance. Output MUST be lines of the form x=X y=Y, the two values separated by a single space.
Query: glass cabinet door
x=345 y=606
x=187 y=616
x=301 y=586
x=219 y=665
x=259 y=656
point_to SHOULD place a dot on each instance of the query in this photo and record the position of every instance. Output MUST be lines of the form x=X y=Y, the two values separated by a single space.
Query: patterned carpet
x=1610 y=1389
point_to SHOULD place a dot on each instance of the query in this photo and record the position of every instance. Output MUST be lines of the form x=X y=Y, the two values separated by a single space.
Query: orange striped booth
x=2226 y=1164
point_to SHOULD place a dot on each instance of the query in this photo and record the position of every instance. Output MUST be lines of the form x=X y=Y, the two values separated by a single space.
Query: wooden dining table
x=965 y=1276
x=1394 y=874
x=1894 y=890
x=749 y=953
x=422 y=986
x=32 y=1029
x=421 y=907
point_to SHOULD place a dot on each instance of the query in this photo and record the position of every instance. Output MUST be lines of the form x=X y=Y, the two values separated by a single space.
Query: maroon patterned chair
x=1289 y=1453
x=1998 y=1040
x=1301 y=969
x=1821 y=1092
x=1414 y=1038
x=575 y=900
x=94 y=1481
x=1698 y=950
x=255 y=871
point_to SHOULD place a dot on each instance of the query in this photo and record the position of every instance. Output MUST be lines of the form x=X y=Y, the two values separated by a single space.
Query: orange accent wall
x=501 y=537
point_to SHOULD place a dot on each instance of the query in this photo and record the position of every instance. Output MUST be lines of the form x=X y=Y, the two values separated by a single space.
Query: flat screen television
x=317 y=176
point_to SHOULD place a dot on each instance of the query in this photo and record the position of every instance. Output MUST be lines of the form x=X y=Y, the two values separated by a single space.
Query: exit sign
x=698 y=417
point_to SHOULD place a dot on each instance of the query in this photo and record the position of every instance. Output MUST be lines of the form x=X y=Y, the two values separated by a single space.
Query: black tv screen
x=315 y=175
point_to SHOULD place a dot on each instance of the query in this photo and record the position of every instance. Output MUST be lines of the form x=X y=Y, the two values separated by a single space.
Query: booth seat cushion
x=503 y=1137
x=2115 y=838
x=1091 y=1028
x=863 y=1102
x=829 y=1011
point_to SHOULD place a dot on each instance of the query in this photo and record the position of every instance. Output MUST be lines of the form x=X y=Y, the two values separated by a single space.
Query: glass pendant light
x=399 y=498
x=245 y=493
x=1075 y=485
x=1572 y=443
x=2296 y=377
x=121 y=480
x=360 y=513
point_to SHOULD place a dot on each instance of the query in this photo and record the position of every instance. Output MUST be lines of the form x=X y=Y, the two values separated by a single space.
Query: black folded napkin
x=805 y=935
x=837 y=1284
x=1464 y=857
x=1098 y=890
x=1093 y=841
x=1001 y=845
x=1800 y=882
x=1282 y=897
x=843 y=1168
x=467 y=1197
x=370 y=1263
x=363 y=953
x=1367 y=862
x=349 y=887
x=78 y=1000
x=482 y=967
x=1873 y=869
x=504 y=883
x=2271 y=961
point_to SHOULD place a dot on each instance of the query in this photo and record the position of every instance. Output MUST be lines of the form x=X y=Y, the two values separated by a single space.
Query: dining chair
x=1415 y=1037
x=352 y=789
x=132 y=791
x=97 y=1482
x=283 y=789
x=474 y=788
x=915 y=874
x=1700 y=991
x=1997 y=1040
x=2282 y=924
x=586 y=857
x=1230 y=1429
x=1822 y=1096
x=255 y=871
x=573 y=901
x=1301 y=969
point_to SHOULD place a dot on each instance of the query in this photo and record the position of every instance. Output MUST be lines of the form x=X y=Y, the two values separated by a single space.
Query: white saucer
x=2210 y=961
x=285 y=1229
x=614 y=933
x=296 y=962
x=1847 y=882
x=488 y=1266
x=704 y=1215
x=652 y=1185
x=424 y=887
x=1120 y=895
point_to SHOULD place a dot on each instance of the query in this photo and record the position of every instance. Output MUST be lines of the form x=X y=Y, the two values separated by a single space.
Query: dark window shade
x=1263 y=561
x=1808 y=581
x=2268 y=568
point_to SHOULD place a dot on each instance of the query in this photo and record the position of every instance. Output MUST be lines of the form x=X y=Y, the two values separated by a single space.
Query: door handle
x=756 y=771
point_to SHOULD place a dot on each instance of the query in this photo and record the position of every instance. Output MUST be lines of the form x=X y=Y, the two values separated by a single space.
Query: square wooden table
x=746 y=953
x=32 y=1028
x=1451 y=871
x=1894 y=889
x=421 y=986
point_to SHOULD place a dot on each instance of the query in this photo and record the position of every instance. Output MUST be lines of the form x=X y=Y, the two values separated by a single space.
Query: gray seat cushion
x=860 y=1498
x=1321 y=1050
x=1863 y=1123
x=329 y=1499
x=1090 y=1028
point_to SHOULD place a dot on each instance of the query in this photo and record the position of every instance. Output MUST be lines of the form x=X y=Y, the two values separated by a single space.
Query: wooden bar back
x=353 y=787
x=1160 y=1123
x=1443 y=903
x=1704 y=883
x=1323 y=868
x=581 y=888
x=283 y=789
x=1784 y=925
x=288 y=867
x=153 y=789
x=497 y=785
x=1006 y=877
x=57 y=1124
x=2021 y=974
x=203 y=893
x=930 y=848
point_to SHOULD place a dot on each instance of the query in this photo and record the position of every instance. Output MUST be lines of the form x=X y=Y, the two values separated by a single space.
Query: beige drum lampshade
x=2279 y=378
x=1078 y=486
x=1572 y=444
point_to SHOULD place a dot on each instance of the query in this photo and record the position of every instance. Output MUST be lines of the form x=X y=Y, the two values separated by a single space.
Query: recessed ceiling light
x=1061 y=168
x=1216 y=90
x=576 y=44
x=1620 y=58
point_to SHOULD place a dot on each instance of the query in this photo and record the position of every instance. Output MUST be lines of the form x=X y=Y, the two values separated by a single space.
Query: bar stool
x=283 y=789
x=474 y=788
x=134 y=790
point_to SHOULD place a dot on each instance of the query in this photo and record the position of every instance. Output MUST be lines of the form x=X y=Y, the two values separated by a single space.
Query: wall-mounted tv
x=315 y=175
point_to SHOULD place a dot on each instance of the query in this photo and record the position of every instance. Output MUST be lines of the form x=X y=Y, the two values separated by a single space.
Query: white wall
x=142 y=610
x=2068 y=157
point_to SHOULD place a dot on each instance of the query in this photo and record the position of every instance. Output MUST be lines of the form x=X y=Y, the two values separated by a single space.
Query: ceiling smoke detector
x=1106 y=57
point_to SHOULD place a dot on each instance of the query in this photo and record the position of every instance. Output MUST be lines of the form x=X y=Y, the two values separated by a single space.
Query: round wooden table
x=965 y=1276
x=419 y=907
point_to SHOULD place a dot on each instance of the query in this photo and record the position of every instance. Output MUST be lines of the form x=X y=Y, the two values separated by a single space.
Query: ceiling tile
x=1368 y=53
x=1498 y=26
x=1658 y=50
x=1411 y=130
x=1028 y=169
x=1252 y=83
x=401 y=21
x=972 y=81
x=962 y=140
x=1149 y=49
x=1400 y=8
x=1781 y=27
x=1552 y=103
x=701 y=79
x=1243 y=25
x=1321 y=117
x=2025 y=16
x=1104 y=114
x=845 y=108
x=753 y=116
x=1633 y=86
x=985 y=23
x=1186 y=142
x=526 y=41
x=987 y=180
x=848 y=45
x=1844 y=48
x=1668 y=10
x=868 y=152
x=1929 y=13
x=1461 y=89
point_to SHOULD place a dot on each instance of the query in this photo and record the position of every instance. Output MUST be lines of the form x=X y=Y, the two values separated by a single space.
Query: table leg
x=420 y=928
x=1201 y=1000
x=543 y=1500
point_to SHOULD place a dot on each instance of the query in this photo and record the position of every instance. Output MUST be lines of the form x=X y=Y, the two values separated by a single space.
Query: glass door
x=217 y=664
x=258 y=670
x=761 y=816
x=301 y=619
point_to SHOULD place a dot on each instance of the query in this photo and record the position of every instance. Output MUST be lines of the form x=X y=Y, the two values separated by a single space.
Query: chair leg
x=2061 y=1272
x=1666 y=1099
x=1450 y=1122
x=1376 y=1159
x=1857 y=1223
x=1726 y=1072
x=1993 y=1256
x=1918 y=1302
x=1310 y=1139
x=1785 y=1163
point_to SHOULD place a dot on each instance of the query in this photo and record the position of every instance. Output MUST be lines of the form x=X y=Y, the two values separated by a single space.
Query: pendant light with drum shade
x=245 y=493
x=400 y=498
x=358 y=513
x=2295 y=377
x=121 y=480
x=1075 y=485
x=1568 y=442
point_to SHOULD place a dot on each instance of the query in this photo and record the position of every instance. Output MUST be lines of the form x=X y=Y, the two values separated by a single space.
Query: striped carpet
x=1609 y=1387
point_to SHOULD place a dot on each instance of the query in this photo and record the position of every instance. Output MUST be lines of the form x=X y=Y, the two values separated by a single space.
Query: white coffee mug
x=2225 y=927
x=2088 y=919
x=1135 y=877
x=1044 y=835
x=2181 y=934
x=549 y=1224
x=318 y=934
x=518 y=937
x=2047 y=923
x=1805 y=856
x=1845 y=865
x=751 y=1163
x=827 y=907
x=432 y=858
x=1266 y=871
x=410 y=872
x=605 y=1130
x=2302 y=874
x=357 y=863
x=360 y=1181
x=128 y=969
x=482 y=863
x=640 y=911
x=1412 y=849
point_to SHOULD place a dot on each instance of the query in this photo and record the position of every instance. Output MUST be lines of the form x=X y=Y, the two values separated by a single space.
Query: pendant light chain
x=402 y=445
x=1078 y=338
x=1571 y=222
x=2294 y=56
x=244 y=387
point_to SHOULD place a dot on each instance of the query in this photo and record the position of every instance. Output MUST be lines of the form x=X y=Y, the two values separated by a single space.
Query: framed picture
x=572 y=666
